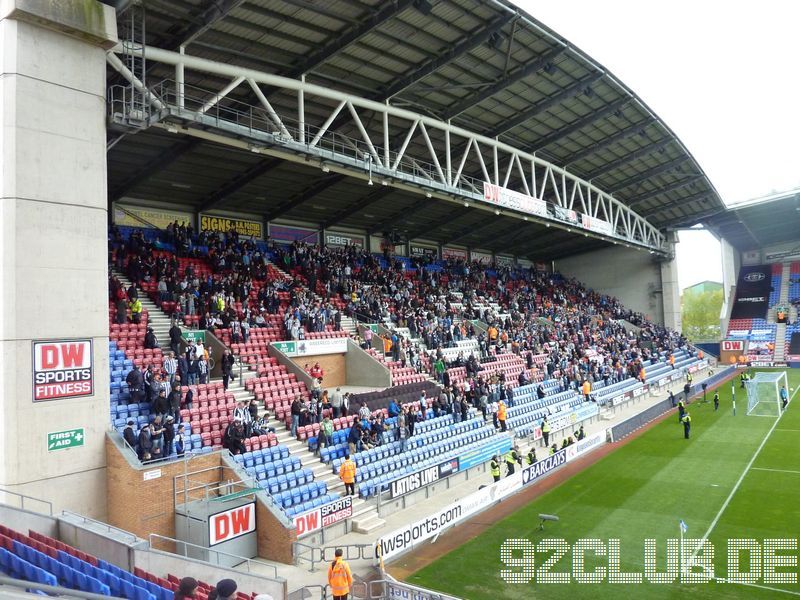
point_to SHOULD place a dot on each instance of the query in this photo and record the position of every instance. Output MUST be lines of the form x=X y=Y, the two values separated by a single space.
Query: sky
x=722 y=75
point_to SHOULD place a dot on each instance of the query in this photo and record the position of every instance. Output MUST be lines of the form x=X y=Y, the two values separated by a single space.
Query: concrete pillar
x=53 y=215
x=671 y=294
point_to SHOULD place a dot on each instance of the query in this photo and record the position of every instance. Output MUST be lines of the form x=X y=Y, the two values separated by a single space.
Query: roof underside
x=485 y=65
x=761 y=224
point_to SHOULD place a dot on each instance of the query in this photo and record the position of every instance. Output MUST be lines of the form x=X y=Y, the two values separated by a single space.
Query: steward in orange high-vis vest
x=339 y=577
x=347 y=473
x=502 y=414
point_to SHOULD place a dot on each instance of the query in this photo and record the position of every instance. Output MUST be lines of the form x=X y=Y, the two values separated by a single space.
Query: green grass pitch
x=737 y=477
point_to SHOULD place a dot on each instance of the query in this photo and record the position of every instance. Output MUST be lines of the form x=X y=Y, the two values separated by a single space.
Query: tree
x=700 y=315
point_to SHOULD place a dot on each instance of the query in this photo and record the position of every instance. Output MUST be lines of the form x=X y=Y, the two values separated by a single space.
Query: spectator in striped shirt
x=171 y=367
x=202 y=369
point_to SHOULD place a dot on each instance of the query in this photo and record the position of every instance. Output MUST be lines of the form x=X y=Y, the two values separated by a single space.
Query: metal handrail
x=23 y=497
x=108 y=527
x=53 y=590
x=186 y=545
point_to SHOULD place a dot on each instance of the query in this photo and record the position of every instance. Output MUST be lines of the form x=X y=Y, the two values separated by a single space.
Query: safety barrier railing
x=316 y=555
x=207 y=552
x=102 y=525
x=23 y=497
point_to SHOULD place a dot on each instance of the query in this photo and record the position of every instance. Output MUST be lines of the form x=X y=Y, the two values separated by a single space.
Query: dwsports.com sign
x=597 y=225
x=62 y=369
x=414 y=481
x=500 y=196
x=323 y=516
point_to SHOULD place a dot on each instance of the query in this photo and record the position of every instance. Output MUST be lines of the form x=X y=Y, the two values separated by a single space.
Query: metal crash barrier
x=314 y=555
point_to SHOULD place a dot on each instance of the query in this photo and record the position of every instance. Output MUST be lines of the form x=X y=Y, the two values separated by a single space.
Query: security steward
x=339 y=577
x=495 y=468
x=546 y=431
x=502 y=415
x=716 y=400
x=531 y=458
x=687 y=425
x=347 y=473
x=511 y=458
x=681 y=410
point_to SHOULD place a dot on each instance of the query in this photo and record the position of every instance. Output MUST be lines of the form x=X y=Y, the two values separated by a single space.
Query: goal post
x=764 y=393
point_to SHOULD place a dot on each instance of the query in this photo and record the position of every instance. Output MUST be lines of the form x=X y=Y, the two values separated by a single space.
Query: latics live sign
x=61 y=440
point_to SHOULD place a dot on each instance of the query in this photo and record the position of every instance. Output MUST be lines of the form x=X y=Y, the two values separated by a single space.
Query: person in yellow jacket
x=587 y=389
x=136 y=310
x=494 y=466
x=339 y=577
x=347 y=473
x=502 y=414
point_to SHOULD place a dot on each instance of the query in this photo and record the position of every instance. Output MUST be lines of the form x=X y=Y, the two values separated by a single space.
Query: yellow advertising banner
x=243 y=227
x=140 y=216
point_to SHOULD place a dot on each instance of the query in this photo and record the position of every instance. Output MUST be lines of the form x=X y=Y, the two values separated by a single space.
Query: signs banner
x=597 y=225
x=566 y=214
x=126 y=216
x=587 y=444
x=500 y=196
x=414 y=481
x=481 y=257
x=506 y=261
x=62 y=369
x=230 y=524
x=198 y=335
x=243 y=227
x=313 y=347
x=732 y=345
x=793 y=254
x=485 y=452
x=567 y=419
x=405 y=538
x=287 y=234
x=335 y=238
x=424 y=251
x=61 y=440
x=454 y=253
x=752 y=292
x=323 y=516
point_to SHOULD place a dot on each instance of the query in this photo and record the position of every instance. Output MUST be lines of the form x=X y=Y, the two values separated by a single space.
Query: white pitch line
x=795 y=430
x=739 y=481
x=756 y=585
x=774 y=470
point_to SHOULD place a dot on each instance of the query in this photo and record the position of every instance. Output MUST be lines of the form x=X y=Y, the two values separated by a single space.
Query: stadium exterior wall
x=54 y=246
x=630 y=275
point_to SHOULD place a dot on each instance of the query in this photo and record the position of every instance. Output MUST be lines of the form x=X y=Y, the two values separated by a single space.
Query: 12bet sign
x=62 y=369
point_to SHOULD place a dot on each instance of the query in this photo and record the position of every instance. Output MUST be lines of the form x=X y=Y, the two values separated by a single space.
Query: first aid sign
x=231 y=524
x=62 y=369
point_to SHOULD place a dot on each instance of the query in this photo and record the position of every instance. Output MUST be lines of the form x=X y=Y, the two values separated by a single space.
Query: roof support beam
x=501 y=84
x=469 y=229
x=501 y=239
x=682 y=202
x=316 y=188
x=406 y=212
x=546 y=104
x=153 y=166
x=377 y=195
x=376 y=19
x=637 y=154
x=645 y=175
x=607 y=142
x=579 y=124
x=673 y=187
x=219 y=196
x=470 y=42
x=217 y=11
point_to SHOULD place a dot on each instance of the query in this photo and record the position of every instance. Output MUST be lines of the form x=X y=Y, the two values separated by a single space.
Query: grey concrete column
x=53 y=216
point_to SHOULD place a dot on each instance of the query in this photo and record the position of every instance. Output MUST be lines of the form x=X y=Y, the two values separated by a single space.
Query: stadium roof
x=483 y=64
x=761 y=222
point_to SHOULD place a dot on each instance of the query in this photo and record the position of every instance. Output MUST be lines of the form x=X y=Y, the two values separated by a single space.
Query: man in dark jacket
x=183 y=368
x=145 y=443
x=227 y=368
x=160 y=404
x=128 y=435
x=169 y=435
x=235 y=437
x=175 y=397
x=150 y=341
x=175 y=334
x=135 y=382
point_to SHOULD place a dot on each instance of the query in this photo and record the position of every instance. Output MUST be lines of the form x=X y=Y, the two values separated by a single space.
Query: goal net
x=764 y=393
